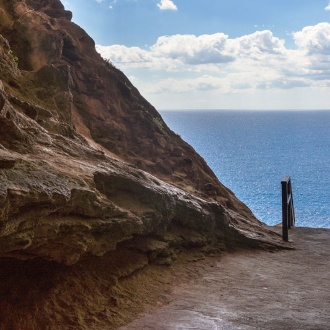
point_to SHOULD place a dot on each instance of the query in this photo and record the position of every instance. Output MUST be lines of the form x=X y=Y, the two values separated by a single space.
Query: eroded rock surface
x=86 y=161
x=87 y=165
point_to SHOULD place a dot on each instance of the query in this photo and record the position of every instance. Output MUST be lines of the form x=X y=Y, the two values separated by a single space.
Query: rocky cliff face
x=87 y=166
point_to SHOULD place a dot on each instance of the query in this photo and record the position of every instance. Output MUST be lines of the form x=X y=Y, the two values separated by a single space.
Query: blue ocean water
x=251 y=151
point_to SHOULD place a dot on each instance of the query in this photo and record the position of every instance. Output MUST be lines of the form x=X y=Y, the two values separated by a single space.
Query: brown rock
x=88 y=168
x=65 y=119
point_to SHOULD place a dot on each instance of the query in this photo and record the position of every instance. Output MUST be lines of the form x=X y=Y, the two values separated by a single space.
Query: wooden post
x=288 y=216
x=285 y=231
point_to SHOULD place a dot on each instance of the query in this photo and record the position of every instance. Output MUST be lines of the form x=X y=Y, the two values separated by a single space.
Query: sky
x=216 y=54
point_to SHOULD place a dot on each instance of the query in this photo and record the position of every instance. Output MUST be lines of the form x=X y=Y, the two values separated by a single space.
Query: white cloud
x=214 y=65
x=327 y=7
x=314 y=39
x=123 y=54
x=314 y=44
x=194 y=50
x=256 y=44
x=167 y=5
x=135 y=57
x=202 y=83
x=197 y=53
x=283 y=83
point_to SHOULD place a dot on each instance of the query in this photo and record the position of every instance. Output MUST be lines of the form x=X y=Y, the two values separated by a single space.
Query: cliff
x=88 y=168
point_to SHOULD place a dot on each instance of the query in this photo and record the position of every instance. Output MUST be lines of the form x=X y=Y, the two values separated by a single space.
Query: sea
x=252 y=151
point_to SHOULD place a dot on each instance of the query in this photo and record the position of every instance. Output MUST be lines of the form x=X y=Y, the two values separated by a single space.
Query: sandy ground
x=252 y=290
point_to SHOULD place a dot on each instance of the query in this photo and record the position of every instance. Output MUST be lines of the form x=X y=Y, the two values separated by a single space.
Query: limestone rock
x=87 y=164
x=97 y=194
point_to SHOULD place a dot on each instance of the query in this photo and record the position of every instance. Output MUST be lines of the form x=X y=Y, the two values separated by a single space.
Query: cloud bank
x=181 y=64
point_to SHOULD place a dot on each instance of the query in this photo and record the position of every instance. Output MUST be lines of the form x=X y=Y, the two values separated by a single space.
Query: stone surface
x=253 y=290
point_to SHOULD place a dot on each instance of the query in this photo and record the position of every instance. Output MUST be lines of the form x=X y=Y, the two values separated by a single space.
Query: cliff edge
x=88 y=168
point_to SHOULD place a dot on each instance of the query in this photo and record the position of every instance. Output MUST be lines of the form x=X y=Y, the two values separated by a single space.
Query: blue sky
x=214 y=54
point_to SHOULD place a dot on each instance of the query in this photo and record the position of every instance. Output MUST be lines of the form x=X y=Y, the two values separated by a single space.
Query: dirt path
x=254 y=290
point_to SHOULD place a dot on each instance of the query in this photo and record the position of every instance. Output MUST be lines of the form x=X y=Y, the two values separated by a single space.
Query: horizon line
x=239 y=109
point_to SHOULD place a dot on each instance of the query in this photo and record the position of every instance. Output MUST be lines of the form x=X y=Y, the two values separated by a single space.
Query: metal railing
x=288 y=216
